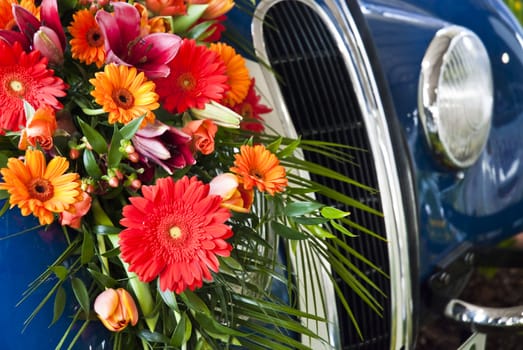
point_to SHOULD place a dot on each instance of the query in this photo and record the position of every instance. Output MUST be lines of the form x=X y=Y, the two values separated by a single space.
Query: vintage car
x=428 y=94
x=430 y=90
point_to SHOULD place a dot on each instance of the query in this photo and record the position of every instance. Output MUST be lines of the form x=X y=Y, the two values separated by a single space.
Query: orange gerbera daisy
x=38 y=188
x=7 y=20
x=174 y=232
x=125 y=94
x=257 y=166
x=87 y=44
x=237 y=73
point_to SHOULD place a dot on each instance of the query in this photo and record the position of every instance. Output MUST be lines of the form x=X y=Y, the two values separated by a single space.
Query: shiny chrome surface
x=456 y=96
x=480 y=317
x=340 y=22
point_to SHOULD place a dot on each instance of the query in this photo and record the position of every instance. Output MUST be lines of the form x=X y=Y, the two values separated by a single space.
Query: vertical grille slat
x=317 y=90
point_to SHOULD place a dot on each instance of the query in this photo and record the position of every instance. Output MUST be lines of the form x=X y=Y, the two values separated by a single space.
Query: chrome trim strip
x=340 y=22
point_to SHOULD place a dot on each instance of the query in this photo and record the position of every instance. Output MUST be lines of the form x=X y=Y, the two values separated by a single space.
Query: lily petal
x=10 y=37
x=153 y=130
x=47 y=42
x=128 y=21
x=51 y=18
x=154 y=51
x=110 y=30
x=151 y=148
x=26 y=21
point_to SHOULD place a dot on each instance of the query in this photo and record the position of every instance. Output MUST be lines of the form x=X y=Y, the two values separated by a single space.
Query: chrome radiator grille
x=317 y=90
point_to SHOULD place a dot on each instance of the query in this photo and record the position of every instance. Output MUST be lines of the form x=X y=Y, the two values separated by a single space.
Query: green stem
x=141 y=290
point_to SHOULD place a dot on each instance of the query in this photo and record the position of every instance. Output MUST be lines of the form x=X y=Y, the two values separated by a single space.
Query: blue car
x=431 y=92
x=428 y=94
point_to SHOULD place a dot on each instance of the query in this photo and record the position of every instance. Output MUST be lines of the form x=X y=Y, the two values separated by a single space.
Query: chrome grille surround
x=341 y=24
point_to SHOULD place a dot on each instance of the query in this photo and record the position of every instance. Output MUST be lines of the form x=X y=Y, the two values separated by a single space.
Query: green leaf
x=342 y=229
x=153 y=337
x=194 y=302
x=289 y=150
x=60 y=271
x=310 y=221
x=115 y=155
x=301 y=208
x=321 y=232
x=169 y=298
x=87 y=248
x=105 y=230
x=80 y=292
x=179 y=335
x=333 y=213
x=182 y=23
x=232 y=263
x=3 y=159
x=129 y=129
x=4 y=208
x=200 y=29
x=101 y=279
x=90 y=164
x=59 y=304
x=287 y=232
x=300 y=191
x=212 y=326
x=275 y=145
x=95 y=139
x=111 y=253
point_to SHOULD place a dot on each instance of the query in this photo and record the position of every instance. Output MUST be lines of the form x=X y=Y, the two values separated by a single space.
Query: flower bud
x=113 y=182
x=234 y=196
x=74 y=153
x=202 y=133
x=47 y=42
x=116 y=309
x=220 y=114
x=73 y=216
x=39 y=129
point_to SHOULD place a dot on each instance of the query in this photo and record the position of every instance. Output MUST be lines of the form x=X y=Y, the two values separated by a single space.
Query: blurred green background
x=517 y=8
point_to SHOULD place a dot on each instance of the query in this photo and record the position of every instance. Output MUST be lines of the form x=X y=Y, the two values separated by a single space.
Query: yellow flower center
x=41 y=189
x=123 y=98
x=16 y=88
x=175 y=232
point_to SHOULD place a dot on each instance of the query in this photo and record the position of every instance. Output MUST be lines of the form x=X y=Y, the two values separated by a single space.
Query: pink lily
x=11 y=37
x=46 y=35
x=125 y=44
x=164 y=145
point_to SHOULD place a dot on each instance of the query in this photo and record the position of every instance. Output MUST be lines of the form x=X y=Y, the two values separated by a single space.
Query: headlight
x=455 y=96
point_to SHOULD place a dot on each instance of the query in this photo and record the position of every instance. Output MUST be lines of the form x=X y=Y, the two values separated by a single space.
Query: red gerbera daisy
x=197 y=77
x=24 y=76
x=175 y=231
x=250 y=109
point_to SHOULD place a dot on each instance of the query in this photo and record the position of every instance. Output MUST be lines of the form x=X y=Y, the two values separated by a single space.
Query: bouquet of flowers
x=134 y=128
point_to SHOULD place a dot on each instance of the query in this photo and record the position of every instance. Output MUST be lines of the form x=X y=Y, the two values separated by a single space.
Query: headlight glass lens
x=456 y=96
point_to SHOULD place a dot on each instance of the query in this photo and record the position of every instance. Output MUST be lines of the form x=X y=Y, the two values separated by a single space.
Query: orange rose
x=166 y=7
x=234 y=196
x=202 y=132
x=116 y=309
x=39 y=129
x=215 y=8
x=73 y=217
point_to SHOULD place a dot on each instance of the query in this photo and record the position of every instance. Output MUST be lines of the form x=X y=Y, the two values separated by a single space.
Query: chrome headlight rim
x=438 y=60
